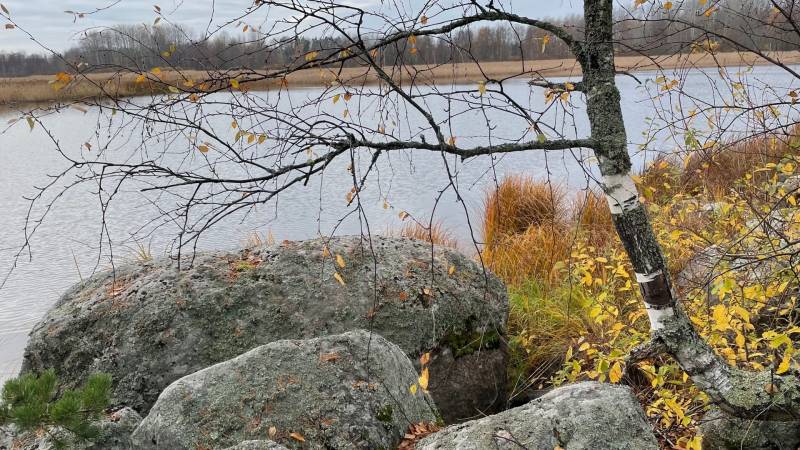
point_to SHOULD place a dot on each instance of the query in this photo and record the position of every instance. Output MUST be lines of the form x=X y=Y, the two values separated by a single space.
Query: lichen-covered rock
x=257 y=445
x=722 y=432
x=150 y=324
x=580 y=416
x=115 y=434
x=347 y=391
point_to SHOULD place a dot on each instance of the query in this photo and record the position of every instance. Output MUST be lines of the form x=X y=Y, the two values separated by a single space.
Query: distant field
x=38 y=89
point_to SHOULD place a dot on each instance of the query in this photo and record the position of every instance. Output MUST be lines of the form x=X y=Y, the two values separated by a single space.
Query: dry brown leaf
x=328 y=357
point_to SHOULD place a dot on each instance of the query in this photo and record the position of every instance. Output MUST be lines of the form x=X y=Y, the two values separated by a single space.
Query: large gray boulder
x=115 y=434
x=580 y=416
x=149 y=324
x=348 y=391
x=723 y=432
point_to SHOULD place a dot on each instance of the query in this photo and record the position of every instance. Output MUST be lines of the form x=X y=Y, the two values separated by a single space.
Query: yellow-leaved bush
x=576 y=309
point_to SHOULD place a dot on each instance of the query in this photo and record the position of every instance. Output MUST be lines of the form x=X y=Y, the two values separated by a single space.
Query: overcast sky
x=48 y=22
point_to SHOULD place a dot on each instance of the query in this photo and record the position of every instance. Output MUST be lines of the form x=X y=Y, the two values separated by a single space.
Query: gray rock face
x=348 y=391
x=579 y=416
x=153 y=323
x=722 y=432
x=115 y=434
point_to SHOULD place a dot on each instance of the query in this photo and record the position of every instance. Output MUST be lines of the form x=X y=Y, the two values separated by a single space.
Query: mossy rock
x=150 y=324
x=347 y=391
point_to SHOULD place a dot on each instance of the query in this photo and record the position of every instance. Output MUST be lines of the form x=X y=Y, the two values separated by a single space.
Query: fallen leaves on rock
x=415 y=433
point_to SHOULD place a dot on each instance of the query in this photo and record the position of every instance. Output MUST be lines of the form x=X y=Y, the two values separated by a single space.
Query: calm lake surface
x=66 y=247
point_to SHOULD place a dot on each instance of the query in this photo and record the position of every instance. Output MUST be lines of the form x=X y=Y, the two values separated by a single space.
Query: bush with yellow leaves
x=576 y=312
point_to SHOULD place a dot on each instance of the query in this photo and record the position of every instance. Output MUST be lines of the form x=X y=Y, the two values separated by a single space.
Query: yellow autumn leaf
x=740 y=341
x=326 y=252
x=339 y=278
x=668 y=5
x=423 y=379
x=452 y=270
x=482 y=87
x=141 y=78
x=336 y=98
x=311 y=56
x=347 y=96
x=262 y=138
x=786 y=362
x=452 y=141
x=425 y=358
x=340 y=261
x=587 y=279
x=615 y=374
x=156 y=71
x=251 y=138
x=545 y=41
x=413 y=389
x=235 y=83
x=203 y=148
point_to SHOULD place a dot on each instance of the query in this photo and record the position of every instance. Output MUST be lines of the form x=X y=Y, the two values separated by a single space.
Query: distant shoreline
x=29 y=91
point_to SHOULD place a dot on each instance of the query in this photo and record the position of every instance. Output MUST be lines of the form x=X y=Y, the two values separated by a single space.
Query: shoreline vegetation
x=41 y=89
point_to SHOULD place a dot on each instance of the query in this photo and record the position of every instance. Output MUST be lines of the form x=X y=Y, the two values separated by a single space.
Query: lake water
x=67 y=247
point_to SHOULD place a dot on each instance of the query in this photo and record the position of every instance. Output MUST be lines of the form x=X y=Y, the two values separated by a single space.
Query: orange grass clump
x=518 y=203
x=533 y=254
x=716 y=170
x=523 y=229
x=437 y=234
x=593 y=218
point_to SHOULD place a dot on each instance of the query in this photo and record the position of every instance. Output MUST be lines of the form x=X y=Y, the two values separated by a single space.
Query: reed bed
x=38 y=88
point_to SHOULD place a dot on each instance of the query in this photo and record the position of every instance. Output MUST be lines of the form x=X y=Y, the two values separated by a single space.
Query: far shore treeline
x=141 y=47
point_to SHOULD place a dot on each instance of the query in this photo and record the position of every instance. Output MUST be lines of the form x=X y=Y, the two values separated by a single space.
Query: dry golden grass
x=37 y=89
x=716 y=170
x=593 y=218
x=437 y=234
x=518 y=203
x=532 y=254
x=523 y=229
